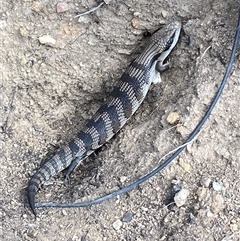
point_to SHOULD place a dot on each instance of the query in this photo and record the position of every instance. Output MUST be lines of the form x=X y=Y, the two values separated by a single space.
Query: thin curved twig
x=89 y=11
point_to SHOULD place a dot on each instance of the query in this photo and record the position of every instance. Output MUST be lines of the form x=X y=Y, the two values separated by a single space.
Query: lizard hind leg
x=74 y=164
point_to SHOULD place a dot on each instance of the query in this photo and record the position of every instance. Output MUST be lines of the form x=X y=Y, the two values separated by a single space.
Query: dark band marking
x=37 y=179
x=100 y=126
x=47 y=171
x=73 y=147
x=113 y=116
x=135 y=84
x=138 y=66
x=86 y=138
x=43 y=173
x=125 y=101
x=62 y=155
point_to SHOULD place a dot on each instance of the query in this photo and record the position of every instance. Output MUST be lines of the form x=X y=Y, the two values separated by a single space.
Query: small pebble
x=173 y=118
x=209 y=214
x=64 y=212
x=136 y=14
x=168 y=217
x=181 y=197
x=234 y=227
x=164 y=13
x=135 y=23
x=127 y=217
x=202 y=193
x=23 y=31
x=117 y=224
x=176 y=187
x=123 y=179
x=47 y=40
x=217 y=203
x=205 y=181
x=62 y=7
x=36 y=7
x=216 y=186
x=83 y=19
x=180 y=130
x=144 y=209
x=185 y=166
x=38 y=128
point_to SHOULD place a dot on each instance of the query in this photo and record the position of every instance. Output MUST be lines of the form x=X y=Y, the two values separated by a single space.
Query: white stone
x=181 y=197
x=47 y=40
x=117 y=224
x=216 y=186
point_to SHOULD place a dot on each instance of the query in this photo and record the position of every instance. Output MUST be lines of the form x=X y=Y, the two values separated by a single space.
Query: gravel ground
x=49 y=90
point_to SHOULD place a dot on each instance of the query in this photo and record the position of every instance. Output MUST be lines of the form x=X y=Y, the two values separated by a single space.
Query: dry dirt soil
x=48 y=92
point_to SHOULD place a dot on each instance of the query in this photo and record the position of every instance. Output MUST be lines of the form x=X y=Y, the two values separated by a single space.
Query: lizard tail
x=33 y=186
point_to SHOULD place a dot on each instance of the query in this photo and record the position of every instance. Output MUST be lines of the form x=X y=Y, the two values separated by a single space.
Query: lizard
x=121 y=104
